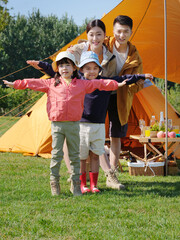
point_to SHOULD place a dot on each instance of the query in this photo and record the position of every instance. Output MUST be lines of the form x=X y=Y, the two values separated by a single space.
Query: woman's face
x=96 y=38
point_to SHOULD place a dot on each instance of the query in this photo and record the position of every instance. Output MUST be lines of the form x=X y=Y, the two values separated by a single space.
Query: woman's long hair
x=57 y=75
x=96 y=23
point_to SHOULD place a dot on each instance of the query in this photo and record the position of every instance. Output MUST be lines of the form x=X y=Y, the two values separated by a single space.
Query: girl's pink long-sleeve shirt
x=65 y=102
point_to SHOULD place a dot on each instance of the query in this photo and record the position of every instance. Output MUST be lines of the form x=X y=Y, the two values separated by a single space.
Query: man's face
x=122 y=33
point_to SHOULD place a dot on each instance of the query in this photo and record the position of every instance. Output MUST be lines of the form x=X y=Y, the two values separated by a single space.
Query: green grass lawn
x=149 y=208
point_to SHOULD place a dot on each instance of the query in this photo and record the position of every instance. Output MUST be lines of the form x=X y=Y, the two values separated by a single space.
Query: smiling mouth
x=95 y=43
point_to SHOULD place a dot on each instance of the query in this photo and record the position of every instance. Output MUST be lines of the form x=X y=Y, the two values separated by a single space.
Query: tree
x=173 y=92
x=4 y=14
x=82 y=28
x=33 y=37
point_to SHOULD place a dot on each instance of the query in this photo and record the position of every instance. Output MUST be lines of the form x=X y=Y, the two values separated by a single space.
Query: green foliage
x=155 y=127
x=4 y=15
x=17 y=100
x=147 y=209
x=34 y=37
x=173 y=92
x=84 y=25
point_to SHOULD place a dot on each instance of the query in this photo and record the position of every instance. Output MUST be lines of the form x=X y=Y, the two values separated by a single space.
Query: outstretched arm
x=36 y=84
x=121 y=84
x=34 y=64
x=8 y=84
x=130 y=79
x=42 y=66
x=149 y=76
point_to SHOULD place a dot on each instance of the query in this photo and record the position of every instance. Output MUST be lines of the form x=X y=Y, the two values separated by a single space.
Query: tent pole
x=166 y=105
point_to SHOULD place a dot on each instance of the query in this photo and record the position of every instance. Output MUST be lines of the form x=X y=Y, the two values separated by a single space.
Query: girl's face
x=96 y=37
x=90 y=70
x=66 y=69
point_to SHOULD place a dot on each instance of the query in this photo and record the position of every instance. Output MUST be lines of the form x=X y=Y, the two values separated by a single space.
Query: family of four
x=96 y=75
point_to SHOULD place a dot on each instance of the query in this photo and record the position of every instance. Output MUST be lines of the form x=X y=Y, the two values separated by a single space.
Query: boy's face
x=122 y=33
x=90 y=70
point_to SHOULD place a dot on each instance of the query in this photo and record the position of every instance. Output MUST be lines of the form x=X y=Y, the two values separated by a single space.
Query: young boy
x=128 y=62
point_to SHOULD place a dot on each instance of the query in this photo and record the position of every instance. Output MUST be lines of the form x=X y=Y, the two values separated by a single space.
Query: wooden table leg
x=154 y=148
x=145 y=152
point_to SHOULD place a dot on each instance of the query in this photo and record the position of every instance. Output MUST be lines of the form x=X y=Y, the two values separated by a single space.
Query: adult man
x=128 y=62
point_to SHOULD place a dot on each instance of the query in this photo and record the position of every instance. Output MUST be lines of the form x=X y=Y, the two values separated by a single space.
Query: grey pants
x=60 y=131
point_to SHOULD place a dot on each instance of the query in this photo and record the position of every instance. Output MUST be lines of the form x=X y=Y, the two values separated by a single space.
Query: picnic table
x=147 y=142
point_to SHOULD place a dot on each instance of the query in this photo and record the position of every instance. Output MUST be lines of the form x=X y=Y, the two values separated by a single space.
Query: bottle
x=161 y=121
x=152 y=121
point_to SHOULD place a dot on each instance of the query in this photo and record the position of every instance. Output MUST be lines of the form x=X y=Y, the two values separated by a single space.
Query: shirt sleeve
x=101 y=84
x=46 y=68
x=130 y=78
x=36 y=84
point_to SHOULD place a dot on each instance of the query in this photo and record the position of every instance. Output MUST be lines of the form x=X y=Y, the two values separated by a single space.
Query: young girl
x=65 y=99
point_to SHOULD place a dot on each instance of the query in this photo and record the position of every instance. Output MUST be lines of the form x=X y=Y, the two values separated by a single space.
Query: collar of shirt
x=68 y=81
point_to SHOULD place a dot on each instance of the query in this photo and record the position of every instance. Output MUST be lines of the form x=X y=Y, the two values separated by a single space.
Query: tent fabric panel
x=30 y=132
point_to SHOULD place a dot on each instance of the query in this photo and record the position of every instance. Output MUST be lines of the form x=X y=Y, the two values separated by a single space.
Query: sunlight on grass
x=147 y=209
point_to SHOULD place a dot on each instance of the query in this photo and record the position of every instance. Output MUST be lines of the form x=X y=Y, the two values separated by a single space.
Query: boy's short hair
x=123 y=20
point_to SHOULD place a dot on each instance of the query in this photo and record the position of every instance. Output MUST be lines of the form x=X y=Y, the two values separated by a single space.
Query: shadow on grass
x=136 y=188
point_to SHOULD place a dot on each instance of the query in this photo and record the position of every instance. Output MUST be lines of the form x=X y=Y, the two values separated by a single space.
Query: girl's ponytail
x=57 y=79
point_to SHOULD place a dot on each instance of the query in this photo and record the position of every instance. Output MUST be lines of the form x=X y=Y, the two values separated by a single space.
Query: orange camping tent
x=31 y=134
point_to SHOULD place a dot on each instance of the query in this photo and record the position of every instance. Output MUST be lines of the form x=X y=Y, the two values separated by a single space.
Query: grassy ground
x=149 y=208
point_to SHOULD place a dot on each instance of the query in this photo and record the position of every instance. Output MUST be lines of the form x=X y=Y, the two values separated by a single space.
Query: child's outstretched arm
x=42 y=66
x=8 y=84
x=130 y=79
x=121 y=84
x=149 y=76
x=36 y=84
x=34 y=64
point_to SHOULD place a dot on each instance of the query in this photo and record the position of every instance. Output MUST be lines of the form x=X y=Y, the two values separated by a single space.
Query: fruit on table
x=160 y=134
x=172 y=134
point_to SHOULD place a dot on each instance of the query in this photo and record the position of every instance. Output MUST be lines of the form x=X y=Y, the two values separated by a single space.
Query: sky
x=79 y=10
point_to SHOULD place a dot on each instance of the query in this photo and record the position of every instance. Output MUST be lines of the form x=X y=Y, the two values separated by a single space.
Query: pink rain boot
x=84 y=188
x=93 y=182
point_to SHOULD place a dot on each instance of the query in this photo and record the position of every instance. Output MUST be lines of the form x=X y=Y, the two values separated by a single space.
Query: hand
x=149 y=76
x=70 y=49
x=8 y=84
x=34 y=64
x=122 y=83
